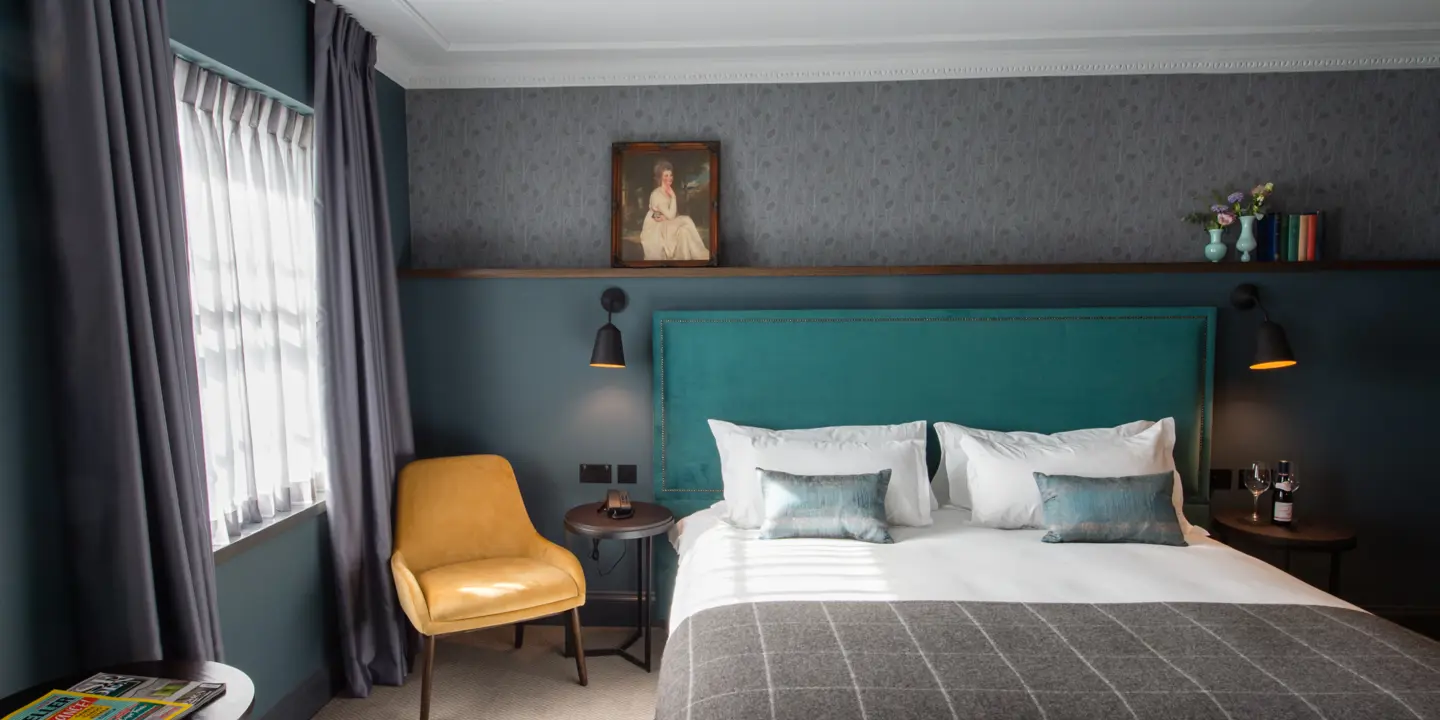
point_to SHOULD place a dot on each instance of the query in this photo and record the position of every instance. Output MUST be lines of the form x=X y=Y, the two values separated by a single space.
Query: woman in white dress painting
x=668 y=235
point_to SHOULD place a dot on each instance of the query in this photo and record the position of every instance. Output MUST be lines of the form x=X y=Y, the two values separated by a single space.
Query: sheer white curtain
x=250 y=218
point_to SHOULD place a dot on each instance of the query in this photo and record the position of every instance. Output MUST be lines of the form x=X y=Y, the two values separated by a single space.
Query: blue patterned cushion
x=825 y=506
x=1133 y=509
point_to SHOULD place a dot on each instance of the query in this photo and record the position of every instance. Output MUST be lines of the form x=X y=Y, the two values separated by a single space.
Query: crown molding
x=872 y=66
x=396 y=65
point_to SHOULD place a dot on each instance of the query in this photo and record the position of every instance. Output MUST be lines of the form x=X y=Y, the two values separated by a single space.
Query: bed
x=957 y=620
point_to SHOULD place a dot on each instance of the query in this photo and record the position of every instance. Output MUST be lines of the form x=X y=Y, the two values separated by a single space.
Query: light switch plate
x=598 y=474
x=1221 y=479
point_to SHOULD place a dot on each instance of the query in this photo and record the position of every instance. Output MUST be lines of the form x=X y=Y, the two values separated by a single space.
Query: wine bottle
x=1283 y=511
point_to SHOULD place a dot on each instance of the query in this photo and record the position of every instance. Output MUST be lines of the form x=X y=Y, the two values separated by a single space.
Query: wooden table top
x=1303 y=533
x=649 y=520
x=235 y=704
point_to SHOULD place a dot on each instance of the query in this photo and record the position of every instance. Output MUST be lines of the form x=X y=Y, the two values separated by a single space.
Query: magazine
x=70 y=705
x=194 y=694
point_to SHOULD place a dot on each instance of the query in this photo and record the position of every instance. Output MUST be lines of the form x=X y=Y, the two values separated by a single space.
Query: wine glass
x=1257 y=481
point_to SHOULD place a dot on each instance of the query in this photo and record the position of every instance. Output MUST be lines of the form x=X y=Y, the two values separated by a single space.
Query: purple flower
x=1219 y=208
x=1235 y=197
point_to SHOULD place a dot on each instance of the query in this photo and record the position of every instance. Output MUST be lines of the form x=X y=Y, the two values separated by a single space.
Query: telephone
x=617 y=505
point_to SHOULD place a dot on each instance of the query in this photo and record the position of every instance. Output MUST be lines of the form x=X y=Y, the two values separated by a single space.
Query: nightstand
x=1303 y=535
x=648 y=521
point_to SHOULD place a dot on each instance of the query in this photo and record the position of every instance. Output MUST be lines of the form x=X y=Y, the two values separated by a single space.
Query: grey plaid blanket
x=1176 y=661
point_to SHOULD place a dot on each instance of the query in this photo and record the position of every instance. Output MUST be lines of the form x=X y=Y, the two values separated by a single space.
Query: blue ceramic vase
x=1246 y=244
x=1215 y=251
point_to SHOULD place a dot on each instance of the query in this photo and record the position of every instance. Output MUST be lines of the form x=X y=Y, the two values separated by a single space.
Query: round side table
x=648 y=521
x=235 y=704
x=1304 y=535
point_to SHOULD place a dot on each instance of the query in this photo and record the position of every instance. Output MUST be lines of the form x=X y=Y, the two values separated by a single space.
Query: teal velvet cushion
x=825 y=506
x=1133 y=509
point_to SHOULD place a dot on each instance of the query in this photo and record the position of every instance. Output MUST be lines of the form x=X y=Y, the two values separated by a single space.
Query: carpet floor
x=480 y=676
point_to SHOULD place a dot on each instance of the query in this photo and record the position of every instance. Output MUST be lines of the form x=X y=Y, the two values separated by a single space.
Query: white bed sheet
x=953 y=560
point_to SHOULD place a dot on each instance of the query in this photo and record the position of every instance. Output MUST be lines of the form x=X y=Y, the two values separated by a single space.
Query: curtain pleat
x=249 y=175
x=366 y=398
x=132 y=468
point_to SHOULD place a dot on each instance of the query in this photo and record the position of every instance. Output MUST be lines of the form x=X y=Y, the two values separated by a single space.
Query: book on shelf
x=1294 y=237
x=1292 y=251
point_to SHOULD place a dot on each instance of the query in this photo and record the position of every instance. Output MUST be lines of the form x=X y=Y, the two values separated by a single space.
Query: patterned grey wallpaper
x=933 y=172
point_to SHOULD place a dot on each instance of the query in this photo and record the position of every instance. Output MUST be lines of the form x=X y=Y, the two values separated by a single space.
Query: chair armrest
x=412 y=599
x=552 y=554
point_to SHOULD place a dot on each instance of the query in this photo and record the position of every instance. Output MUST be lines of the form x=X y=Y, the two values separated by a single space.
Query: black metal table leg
x=644 y=556
x=1334 y=588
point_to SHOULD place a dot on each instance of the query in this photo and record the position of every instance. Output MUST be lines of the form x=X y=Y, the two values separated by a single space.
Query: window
x=250 y=221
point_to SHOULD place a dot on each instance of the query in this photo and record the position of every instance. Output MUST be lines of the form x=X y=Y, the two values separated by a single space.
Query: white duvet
x=954 y=560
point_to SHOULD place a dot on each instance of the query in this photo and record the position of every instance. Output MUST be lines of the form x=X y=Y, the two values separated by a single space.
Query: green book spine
x=1292 y=252
x=1278 y=242
x=1318 y=234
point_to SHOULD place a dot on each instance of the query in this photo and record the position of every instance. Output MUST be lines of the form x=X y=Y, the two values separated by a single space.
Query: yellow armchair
x=467 y=557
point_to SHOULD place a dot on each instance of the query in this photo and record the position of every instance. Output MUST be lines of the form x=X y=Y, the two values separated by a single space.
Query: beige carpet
x=480 y=676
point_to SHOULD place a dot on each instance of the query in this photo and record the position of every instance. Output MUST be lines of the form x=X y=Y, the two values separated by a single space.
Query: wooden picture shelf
x=915 y=270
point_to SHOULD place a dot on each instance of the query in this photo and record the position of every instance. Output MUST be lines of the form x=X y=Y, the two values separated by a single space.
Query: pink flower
x=1259 y=190
x=1225 y=219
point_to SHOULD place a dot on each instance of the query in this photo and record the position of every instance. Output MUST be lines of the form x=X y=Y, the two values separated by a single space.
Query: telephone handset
x=617 y=505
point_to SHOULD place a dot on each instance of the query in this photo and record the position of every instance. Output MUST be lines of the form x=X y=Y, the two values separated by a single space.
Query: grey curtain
x=133 y=473
x=367 y=403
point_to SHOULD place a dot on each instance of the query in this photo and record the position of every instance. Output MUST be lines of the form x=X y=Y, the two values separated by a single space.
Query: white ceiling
x=524 y=43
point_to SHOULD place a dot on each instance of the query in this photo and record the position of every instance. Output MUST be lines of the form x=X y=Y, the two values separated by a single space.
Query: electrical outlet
x=628 y=474
x=1220 y=479
x=599 y=474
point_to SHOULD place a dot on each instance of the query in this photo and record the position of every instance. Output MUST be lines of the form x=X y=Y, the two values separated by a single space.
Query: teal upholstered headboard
x=1039 y=370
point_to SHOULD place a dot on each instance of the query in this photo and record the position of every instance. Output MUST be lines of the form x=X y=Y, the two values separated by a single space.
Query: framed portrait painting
x=665 y=204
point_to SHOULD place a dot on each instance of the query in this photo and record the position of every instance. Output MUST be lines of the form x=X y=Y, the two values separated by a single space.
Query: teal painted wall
x=499 y=366
x=266 y=40
x=275 y=609
x=34 y=630
x=390 y=98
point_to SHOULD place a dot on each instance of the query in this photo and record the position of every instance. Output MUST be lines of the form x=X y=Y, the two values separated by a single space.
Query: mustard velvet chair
x=467 y=557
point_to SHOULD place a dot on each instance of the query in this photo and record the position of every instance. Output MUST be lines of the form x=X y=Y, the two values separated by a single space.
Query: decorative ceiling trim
x=394 y=63
x=425 y=25
x=759 y=68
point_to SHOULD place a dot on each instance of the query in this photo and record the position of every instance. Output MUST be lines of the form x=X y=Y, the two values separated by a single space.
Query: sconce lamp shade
x=1272 y=348
x=609 y=351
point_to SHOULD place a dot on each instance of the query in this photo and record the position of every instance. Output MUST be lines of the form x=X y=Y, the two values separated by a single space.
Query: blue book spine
x=1277 y=236
x=1267 y=239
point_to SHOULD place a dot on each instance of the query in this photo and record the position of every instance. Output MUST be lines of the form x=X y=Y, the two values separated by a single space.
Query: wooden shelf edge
x=917 y=270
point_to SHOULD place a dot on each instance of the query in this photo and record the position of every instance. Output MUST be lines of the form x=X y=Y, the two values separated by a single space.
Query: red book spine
x=1310 y=237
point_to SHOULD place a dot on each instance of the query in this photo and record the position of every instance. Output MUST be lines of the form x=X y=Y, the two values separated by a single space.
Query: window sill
x=259 y=533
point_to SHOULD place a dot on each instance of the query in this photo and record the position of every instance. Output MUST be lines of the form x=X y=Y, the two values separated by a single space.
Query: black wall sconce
x=609 y=351
x=1272 y=349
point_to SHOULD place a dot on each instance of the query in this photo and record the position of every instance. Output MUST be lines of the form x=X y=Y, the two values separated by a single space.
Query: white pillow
x=953 y=461
x=737 y=458
x=907 y=499
x=1002 y=480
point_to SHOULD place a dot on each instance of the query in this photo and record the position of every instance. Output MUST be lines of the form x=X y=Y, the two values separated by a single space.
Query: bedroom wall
x=1080 y=169
x=499 y=366
x=1014 y=170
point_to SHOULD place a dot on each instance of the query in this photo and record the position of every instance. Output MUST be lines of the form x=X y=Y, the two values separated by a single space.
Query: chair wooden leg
x=579 y=647
x=426 y=673
x=519 y=635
